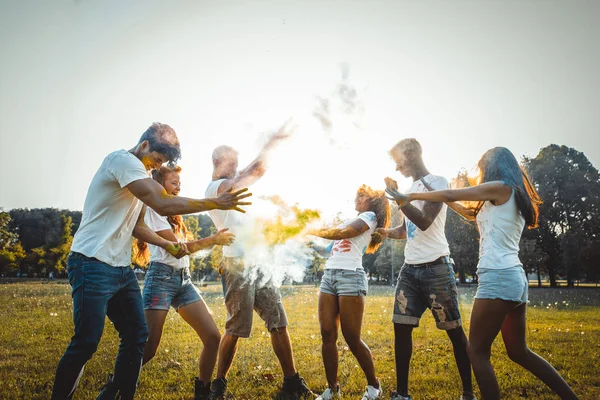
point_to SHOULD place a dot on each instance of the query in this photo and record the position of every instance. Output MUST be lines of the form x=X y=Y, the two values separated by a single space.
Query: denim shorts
x=508 y=284
x=344 y=282
x=420 y=288
x=165 y=286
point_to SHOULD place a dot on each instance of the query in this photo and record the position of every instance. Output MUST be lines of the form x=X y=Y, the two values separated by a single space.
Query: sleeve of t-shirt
x=213 y=188
x=127 y=168
x=369 y=218
x=438 y=183
x=156 y=222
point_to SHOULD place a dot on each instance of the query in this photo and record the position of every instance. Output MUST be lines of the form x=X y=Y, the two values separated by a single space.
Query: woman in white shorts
x=344 y=287
x=168 y=283
x=503 y=203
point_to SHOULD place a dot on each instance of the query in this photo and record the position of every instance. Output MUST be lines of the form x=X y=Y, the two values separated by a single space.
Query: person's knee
x=213 y=340
x=518 y=354
x=329 y=335
x=83 y=348
x=477 y=351
x=353 y=340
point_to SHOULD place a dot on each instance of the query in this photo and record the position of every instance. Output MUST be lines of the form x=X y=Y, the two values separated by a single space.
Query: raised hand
x=399 y=198
x=390 y=183
x=230 y=200
x=224 y=238
x=285 y=131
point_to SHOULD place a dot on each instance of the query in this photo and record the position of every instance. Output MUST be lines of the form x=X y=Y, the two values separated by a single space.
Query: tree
x=11 y=250
x=60 y=253
x=569 y=185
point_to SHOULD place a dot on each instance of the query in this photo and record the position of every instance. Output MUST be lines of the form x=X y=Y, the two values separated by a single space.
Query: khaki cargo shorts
x=247 y=289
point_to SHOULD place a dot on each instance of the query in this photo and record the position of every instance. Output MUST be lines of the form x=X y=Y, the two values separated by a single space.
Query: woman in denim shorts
x=168 y=284
x=503 y=203
x=344 y=287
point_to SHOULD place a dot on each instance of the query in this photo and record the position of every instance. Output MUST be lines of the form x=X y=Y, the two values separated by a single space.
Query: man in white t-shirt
x=99 y=265
x=427 y=278
x=241 y=295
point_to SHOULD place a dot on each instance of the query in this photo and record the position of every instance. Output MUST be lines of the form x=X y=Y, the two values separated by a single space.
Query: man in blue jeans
x=427 y=277
x=103 y=283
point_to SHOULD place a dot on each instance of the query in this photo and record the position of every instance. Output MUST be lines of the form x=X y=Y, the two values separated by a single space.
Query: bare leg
x=280 y=340
x=487 y=318
x=403 y=353
x=227 y=350
x=459 y=344
x=198 y=317
x=351 y=316
x=155 y=320
x=329 y=320
x=513 y=334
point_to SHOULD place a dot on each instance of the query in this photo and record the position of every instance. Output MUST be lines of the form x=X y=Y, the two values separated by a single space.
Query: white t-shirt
x=347 y=253
x=110 y=210
x=426 y=246
x=500 y=228
x=157 y=223
x=225 y=219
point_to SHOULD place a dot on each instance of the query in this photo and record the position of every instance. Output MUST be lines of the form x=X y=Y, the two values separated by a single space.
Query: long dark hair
x=380 y=205
x=141 y=253
x=499 y=164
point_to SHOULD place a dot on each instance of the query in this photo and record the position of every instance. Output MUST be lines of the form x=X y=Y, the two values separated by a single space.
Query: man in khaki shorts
x=246 y=288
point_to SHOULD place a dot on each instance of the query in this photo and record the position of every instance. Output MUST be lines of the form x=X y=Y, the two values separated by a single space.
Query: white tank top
x=500 y=228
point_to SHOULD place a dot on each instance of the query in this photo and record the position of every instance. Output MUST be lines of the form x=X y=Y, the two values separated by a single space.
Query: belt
x=173 y=271
x=441 y=260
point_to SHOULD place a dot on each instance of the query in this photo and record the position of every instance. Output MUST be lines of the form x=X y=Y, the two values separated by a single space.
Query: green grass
x=563 y=327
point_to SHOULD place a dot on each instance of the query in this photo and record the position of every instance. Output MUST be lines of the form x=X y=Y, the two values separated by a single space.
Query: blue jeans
x=100 y=290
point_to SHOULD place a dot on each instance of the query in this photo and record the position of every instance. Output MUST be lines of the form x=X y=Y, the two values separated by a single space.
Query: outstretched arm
x=153 y=194
x=421 y=218
x=497 y=192
x=398 y=232
x=257 y=168
x=353 y=229
x=142 y=232
x=458 y=208
x=221 y=238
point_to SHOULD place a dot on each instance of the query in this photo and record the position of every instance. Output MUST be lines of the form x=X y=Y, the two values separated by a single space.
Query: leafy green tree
x=11 y=250
x=61 y=252
x=569 y=185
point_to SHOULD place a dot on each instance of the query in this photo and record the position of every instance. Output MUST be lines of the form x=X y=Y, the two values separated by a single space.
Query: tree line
x=566 y=245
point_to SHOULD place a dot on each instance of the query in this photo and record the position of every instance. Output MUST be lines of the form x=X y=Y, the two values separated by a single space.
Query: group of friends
x=124 y=201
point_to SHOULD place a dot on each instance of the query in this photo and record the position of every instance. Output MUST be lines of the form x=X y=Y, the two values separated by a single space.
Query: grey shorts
x=246 y=289
x=166 y=287
x=344 y=282
x=508 y=284
x=420 y=288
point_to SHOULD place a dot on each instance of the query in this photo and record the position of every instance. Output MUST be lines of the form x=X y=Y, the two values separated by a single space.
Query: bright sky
x=79 y=79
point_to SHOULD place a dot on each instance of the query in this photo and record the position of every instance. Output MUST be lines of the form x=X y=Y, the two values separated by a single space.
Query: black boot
x=201 y=390
x=294 y=387
x=218 y=388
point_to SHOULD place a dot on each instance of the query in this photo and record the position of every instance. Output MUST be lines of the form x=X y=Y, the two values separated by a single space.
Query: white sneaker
x=397 y=396
x=372 y=393
x=329 y=394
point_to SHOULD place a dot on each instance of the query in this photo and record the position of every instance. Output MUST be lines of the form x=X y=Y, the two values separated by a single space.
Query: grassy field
x=564 y=327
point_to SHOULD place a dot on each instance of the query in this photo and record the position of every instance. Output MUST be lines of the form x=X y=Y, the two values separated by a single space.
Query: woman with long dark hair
x=168 y=283
x=502 y=203
x=344 y=287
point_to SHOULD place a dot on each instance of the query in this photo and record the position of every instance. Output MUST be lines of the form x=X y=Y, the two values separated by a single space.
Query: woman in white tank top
x=505 y=201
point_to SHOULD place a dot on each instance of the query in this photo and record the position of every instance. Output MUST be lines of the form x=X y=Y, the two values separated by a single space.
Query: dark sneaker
x=294 y=387
x=201 y=390
x=218 y=388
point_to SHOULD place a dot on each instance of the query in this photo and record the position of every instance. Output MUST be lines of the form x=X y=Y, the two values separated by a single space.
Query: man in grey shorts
x=246 y=288
x=427 y=278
